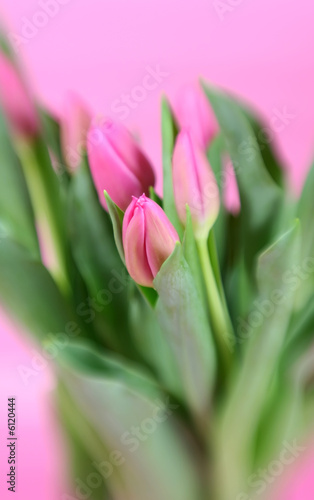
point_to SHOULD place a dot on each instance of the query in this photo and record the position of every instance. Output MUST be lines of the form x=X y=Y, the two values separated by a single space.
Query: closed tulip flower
x=117 y=164
x=74 y=128
x=149 y=239
x=194 y=113
x=16 y=100
x=194 y=184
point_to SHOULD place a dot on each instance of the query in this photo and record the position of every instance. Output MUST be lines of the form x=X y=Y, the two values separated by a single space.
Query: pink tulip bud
x=194 y=113
x=74 y=128
x=149 y=239
x=194 y=184
x=117 y=163
x=16 y=101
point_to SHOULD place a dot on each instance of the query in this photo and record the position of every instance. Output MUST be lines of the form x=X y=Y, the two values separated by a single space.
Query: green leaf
x=266 y=331
x=48 y=203
x=91 y=233
x=82 y=356
x=97 y=259
x=191 y=255
x=169 y=132
x=116 y=412
x=215 y=157
x=83 y=444
x=260 y=196
x=29 y=293
x=16 y=214
x=154 y=196
x=268 y=153
x=116 y=215
x=52 y=134
x=152 y=343
x=305 y=210
x=301 y=333
x=216 y=150
x=182 y=316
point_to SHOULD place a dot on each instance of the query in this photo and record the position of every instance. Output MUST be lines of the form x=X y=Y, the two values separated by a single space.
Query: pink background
x=261 y=49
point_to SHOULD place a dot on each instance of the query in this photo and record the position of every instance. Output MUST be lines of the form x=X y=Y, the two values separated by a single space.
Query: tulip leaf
x=300 y=334
x=140 y=430
x=16 y=214
x=149 y=294
x=269 y=156
x=152 y=343
x=305 y=210
x=51 y=131
x=261 y=198
x=116 y=215
x=266 y=331
x=84 y=444
x=169 y=132
x=83 y=356
x=154 y=196
x=29 y=293
x=215 y=154
x=182 y=316
x=191 y=254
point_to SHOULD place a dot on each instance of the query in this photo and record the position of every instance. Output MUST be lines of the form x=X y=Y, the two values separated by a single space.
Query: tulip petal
x=185 y=180
x=16 y=100
x=160 y=236
x=109 y=172
x=130 y=153
x=74 y=128
x=209 y=192
x=134 y=249
x=194 y=183
x=194 y=113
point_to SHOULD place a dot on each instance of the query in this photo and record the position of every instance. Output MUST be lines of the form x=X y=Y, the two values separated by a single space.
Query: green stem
x=46 y=212
x=221 y=323
x=216 y=269
x=215 y=262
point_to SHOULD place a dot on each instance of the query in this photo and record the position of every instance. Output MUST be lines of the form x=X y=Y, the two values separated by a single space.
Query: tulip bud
x=149 y=239
x=16 y=101
x=194 y=184
x=74 y=128
x=194 y=113
x=117 y=164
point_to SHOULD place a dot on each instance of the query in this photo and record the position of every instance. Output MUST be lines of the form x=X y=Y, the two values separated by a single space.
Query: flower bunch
x=182 y=332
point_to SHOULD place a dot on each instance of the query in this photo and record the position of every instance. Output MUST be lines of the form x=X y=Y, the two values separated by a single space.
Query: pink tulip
x=74 y=129
x=16 y=101
x=194 y=184
x=117 y=163
x=149 y=239
x=194 y=113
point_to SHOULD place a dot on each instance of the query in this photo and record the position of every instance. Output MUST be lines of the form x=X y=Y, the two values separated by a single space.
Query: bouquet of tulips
x=179 y=324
